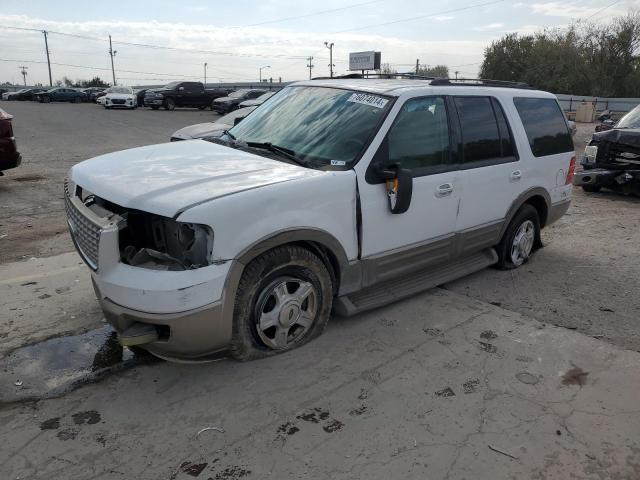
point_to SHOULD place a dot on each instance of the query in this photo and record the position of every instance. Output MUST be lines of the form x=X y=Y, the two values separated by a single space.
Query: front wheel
x=283 y=300
x=77 y=100
x=201 y=107
x=155 y=108
x=520 y=238
x=169 y=104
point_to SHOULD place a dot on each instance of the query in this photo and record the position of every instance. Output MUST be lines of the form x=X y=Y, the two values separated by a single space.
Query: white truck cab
x=334 y=195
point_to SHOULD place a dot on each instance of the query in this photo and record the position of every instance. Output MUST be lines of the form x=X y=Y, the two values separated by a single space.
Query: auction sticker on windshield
x=366 y=99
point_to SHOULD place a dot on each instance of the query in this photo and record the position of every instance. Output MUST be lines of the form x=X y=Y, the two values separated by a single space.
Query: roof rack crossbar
x=435 y=81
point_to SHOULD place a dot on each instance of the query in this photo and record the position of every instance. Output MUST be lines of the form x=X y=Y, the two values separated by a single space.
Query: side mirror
x=237 y=120
x=399 y=185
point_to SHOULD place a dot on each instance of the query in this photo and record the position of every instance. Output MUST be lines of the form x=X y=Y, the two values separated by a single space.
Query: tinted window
x=480 y=132
x=420 y=135
x=507 y=148
x=545 y=125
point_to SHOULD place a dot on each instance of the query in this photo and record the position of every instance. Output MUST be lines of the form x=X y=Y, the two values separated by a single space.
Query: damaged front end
x=145 y=240
x=612 y=160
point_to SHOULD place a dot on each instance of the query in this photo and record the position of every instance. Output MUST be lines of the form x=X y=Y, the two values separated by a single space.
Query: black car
x=93 y=93
x=182 y=94
x=61 y=94
x=612 y=158
x=230 y=103
x=28 y=94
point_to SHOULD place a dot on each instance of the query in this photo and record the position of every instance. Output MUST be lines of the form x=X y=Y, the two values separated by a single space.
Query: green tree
x=438 y=71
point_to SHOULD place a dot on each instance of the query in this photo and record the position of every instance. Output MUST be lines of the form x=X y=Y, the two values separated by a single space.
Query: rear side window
x=545 y=125
x=485 y=132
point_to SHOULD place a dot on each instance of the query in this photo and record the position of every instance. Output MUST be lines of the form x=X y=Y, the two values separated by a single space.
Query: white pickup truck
x=334 y=195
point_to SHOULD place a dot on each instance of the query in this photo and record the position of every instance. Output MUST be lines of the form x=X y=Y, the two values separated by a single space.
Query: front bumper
x=153 y=101
x=613 y=179
x=193 y=334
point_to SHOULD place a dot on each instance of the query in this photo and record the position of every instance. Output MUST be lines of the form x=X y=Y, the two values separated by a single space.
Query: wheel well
x=328 y=258
x=539 y=203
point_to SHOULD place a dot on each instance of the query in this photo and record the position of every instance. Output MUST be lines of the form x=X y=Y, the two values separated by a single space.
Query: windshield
x=119 y=90
x=631 y=119
x=238 y=93
x=321 y=125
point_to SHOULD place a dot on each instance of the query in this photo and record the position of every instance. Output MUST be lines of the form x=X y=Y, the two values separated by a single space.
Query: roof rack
x=435 y=81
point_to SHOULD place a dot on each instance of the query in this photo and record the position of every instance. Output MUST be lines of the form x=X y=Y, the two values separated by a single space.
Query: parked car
x=140 y=96
x=211 y=130
x=11 y=95
x=93 y=93
x=26 y=94
x=9 y=155
x=120 y=97
x=3 y=91
x=182 y=94
x=61 y=94
x=612 y=158
x=336 y=194
x=257 y=101
x=228 y=104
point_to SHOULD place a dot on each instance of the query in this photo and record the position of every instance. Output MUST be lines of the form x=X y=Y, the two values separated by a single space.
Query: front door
x=392 y=244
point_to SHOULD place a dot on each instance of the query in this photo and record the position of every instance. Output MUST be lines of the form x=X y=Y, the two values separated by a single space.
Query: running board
x=393 y=290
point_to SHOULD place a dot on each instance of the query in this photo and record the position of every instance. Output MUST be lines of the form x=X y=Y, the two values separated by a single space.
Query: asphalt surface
x=471 y=380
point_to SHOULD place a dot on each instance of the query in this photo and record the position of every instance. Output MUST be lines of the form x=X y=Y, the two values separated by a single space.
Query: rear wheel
x=155 y=108
x=77 y=100
x=201 y=107
x=46 y=99
x=591 y=188
x=520 y=238
x=283 y=301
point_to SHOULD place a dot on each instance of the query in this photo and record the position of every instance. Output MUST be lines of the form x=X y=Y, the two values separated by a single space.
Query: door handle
x=515 y=176
x=444 y=190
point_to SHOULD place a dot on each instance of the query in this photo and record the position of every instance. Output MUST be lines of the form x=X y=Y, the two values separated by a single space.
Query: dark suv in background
x=182 y=94
x=230 y=103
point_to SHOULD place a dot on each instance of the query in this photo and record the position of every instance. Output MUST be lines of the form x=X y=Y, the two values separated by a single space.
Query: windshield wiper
x=227 y=132
x=285 y=152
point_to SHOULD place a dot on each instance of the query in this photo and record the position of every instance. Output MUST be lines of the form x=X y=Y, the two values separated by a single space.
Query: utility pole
x=23 y=71
x=46 y=46
x=310 y=65
x=417 y=66
x=456 y=72
x=205 y=74
x=112 y=54
x=331 y=65
x=260 y=69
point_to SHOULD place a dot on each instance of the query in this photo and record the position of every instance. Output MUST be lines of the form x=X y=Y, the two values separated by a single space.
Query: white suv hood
x=168 y=178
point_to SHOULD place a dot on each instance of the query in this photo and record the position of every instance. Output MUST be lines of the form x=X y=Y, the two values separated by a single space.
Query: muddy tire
x=591 y=188
x=283 y=301
x=520 y=239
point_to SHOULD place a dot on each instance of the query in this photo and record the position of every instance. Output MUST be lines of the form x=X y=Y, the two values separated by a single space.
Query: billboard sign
x=364 y=61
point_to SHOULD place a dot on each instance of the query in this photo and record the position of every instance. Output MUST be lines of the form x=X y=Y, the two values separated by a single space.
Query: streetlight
x=331 y=65
x=266 y=66
x=205 y=74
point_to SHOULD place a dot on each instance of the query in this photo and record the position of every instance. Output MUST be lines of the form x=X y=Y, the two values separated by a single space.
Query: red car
x=9 y=155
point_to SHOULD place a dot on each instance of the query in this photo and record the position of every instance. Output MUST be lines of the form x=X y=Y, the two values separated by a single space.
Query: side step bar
x=393 y=290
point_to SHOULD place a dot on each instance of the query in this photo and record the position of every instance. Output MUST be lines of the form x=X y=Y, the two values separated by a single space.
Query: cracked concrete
x=359 y=402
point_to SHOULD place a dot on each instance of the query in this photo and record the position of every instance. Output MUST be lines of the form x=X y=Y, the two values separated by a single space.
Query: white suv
x=341 y=194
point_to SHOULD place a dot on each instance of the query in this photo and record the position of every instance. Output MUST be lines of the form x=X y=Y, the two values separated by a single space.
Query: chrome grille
x=85 y=233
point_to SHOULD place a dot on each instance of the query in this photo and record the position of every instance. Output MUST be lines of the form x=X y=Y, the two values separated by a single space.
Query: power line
x=601 y=10
x=321 y=12
x=418 y=17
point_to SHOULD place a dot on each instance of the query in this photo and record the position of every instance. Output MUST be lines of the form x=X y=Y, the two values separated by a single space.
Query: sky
x=237 y=38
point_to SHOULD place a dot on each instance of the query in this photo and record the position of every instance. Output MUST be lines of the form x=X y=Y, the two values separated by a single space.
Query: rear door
x=419 y=140
x=491 y=173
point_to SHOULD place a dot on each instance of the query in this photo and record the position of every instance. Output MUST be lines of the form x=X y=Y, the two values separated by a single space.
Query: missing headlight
x=161 y=243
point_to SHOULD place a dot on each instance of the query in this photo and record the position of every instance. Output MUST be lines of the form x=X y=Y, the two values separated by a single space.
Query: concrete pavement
x=438 y=386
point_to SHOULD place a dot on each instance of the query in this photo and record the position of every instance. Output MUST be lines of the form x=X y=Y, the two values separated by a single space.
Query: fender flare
x=523 y=198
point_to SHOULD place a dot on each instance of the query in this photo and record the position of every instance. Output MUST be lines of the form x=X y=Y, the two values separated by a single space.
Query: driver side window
x=419 y=137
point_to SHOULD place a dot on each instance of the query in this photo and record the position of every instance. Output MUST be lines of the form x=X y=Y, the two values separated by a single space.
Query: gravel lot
x=586 y=278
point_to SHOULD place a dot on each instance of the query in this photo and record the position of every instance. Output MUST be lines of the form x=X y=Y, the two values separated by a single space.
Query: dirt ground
x=586 y=278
